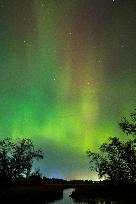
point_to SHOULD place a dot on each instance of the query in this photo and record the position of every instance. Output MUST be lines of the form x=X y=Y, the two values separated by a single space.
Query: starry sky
x=67 y=76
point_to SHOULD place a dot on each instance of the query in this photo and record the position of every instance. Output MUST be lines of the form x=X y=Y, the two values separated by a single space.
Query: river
x=66 y=197
x=68 y=200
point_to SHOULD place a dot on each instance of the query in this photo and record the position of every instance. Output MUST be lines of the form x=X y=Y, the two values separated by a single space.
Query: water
x=66 y=199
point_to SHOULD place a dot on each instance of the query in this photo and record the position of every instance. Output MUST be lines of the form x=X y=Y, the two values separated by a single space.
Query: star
x=100 y=60
x=28 y=44
x=122 y=46
x=70 y=34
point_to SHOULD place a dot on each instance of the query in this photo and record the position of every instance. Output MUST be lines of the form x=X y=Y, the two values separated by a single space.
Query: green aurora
x=67 y=76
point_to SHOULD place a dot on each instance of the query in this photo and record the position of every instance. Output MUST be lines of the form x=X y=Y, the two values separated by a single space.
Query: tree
x=35 y=178
x=129 y=127
x=16 y=158
x=116 y=160
x=6 y=147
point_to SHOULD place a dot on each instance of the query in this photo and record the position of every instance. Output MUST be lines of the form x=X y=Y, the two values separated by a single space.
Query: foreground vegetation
x=106 y=192
x=83 y=193
x=16 y=160
x=116 y=163
x=116 y=160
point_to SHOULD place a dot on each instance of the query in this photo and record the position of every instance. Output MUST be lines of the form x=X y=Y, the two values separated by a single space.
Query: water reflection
x=103 y=201
x=66 y=197
x=96 y=202
x=68 y=200
x=61 y=197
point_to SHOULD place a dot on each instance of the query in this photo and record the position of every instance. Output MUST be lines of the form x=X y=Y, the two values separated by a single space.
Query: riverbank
x=123 y=193
x=31 y=194
x=43 y=193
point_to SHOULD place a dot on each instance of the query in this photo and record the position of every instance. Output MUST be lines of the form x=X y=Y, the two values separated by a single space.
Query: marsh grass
x=120 y=193
x=31 y=194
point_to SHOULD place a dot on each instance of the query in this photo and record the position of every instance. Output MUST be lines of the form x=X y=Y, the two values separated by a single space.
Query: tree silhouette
x=116 y=160
x=16 y=158
x=129 y=127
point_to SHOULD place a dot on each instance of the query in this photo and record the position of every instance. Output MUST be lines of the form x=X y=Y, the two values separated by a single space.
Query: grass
x=123 y=193
x=31 y=194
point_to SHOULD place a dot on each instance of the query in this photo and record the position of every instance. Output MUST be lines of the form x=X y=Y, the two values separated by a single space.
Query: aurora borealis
x=67 y=76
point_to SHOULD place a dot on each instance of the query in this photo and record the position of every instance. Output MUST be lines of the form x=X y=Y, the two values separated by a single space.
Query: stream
x=66 y=197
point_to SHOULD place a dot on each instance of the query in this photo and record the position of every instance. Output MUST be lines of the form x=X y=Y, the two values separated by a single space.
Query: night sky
x=67 y=76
